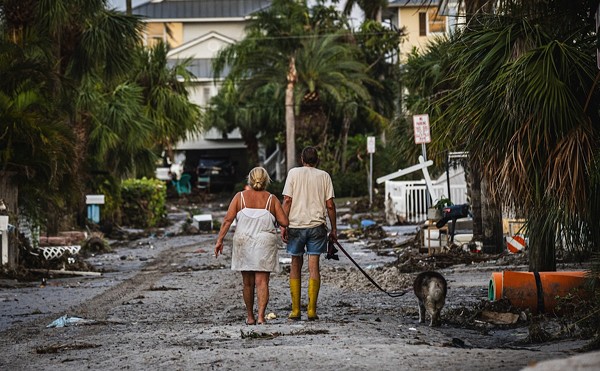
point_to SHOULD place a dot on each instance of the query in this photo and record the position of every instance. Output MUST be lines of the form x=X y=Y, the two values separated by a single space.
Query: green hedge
x=143 y=202
x=350 y=184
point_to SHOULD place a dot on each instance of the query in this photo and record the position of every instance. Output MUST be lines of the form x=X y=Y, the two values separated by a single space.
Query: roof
x=185 y=9
x=413 y=3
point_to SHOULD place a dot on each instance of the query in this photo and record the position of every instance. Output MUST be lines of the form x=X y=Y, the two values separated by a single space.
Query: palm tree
x=527 y=110
x=371 y=8
x=89 y=119
x=268 y=55
x=286 y=48
x=329 y=74
x=256 y=116
x=166 y=98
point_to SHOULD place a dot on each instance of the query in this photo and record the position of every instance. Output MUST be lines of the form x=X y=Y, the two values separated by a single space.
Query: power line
x=313 y=36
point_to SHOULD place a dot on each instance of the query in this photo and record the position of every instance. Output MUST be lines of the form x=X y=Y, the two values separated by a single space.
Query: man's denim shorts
x=313 y=239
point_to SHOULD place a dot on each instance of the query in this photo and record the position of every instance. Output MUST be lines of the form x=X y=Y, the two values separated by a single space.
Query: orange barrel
x=536 y=291
x=495 y=287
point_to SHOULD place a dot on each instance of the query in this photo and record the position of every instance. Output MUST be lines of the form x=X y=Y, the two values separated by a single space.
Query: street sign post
x=370 y=150
x=422 y=136
x=421 y=129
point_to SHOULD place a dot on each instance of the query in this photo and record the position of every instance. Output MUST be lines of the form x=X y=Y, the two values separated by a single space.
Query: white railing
x=275 y=164
x=406 y=201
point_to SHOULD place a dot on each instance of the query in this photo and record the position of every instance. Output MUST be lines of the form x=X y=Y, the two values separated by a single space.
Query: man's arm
x=287 y=206
x=331 y=213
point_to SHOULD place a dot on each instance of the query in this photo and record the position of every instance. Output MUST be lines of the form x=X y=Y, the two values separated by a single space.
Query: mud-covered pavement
x=168 y=303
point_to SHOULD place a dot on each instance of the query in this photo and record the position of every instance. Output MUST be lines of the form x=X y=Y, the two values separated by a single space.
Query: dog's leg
x=421 y=311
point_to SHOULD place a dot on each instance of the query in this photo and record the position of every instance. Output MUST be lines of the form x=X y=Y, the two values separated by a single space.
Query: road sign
x=371 y=144
x=515 y=244
x=421 y=129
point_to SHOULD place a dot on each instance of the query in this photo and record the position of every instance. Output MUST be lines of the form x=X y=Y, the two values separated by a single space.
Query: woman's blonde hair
x=259 y=178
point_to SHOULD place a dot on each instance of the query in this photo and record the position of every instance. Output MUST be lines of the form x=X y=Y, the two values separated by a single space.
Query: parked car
x=216 y=174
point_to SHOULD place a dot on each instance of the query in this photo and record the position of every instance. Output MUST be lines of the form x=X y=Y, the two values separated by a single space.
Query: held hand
x=333 y=235
x=284 y=234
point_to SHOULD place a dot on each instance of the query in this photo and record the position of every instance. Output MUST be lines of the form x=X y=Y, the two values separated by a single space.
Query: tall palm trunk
x=473 y=175
x=345 y=130
x=290 y=124
x=491 y=221
x=541 y=258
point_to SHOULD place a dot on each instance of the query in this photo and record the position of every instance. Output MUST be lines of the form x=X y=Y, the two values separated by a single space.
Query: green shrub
x=350 y=184
x=143 y=202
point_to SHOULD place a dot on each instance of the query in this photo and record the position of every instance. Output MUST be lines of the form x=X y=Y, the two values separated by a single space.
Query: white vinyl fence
x=406 y=201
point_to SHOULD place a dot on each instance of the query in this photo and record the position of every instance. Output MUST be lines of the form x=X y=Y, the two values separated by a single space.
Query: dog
x=430 y=289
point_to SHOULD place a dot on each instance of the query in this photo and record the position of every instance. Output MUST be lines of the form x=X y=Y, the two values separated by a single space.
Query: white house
x=198 y=29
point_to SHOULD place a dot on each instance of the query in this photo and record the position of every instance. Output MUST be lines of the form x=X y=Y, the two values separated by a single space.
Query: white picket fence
x=406 y=201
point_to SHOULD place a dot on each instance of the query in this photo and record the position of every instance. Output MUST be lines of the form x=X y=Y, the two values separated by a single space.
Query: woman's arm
x=232 y=211
x=280 y=215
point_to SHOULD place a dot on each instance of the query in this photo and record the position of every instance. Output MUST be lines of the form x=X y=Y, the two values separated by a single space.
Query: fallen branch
x=71 y=273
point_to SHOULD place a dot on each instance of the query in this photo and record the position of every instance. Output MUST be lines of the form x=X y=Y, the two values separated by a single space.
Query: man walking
x=308 y=201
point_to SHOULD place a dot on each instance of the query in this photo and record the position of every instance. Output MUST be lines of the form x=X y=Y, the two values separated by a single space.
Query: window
x=437 y=23
x=155 y=32
x=431 y=22
x=422 y=24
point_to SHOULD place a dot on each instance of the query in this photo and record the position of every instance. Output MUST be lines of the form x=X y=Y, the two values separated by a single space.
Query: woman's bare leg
x=248 y=293
x=262 y=293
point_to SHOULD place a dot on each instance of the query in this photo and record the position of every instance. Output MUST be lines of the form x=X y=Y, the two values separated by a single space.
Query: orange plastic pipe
x=537 y=291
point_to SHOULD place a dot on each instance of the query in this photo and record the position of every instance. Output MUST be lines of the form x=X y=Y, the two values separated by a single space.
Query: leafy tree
x=268 y=55
x=165 y=97
x=256 y=116
x=309 y=57
x=527 y=111
x=371 y=8
x=79 y=116
x=56 y=48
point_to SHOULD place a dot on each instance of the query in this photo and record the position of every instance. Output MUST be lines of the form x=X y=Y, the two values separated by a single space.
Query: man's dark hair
x=310 y=156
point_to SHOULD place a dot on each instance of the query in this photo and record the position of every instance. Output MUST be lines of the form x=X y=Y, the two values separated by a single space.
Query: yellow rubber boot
x=313 y=293
x=295 y=293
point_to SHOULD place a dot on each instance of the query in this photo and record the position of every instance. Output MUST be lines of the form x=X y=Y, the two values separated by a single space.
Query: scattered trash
x=259 y=335
x=53 y=252
x=69 y=321
x=498 y=318
x=271 y=316
x=52 y=349
x=205 y=221
x=367 y=223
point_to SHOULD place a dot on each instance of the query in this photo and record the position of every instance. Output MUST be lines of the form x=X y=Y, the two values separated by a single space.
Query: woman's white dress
x=255 y=240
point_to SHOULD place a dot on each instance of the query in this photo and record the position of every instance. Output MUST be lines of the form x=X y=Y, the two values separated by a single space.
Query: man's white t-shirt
x=309 y=189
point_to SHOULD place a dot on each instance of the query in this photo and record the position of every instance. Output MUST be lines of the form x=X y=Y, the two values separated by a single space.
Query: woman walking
x=255 y=241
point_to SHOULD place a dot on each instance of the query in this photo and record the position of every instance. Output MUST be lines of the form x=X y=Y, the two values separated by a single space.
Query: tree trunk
x=128 y=7
x=473 y=176
x=542 y=242
x=252 y=145
x=345 y=130
x=290 y=134
x=491 y=221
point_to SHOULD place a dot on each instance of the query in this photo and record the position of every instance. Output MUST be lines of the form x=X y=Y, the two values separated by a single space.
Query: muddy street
x=168 y=303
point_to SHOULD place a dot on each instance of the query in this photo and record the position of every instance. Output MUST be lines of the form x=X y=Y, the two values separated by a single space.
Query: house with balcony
x=198 y=29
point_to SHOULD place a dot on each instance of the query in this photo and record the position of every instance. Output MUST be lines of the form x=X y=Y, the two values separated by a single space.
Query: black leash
x=331 y=250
